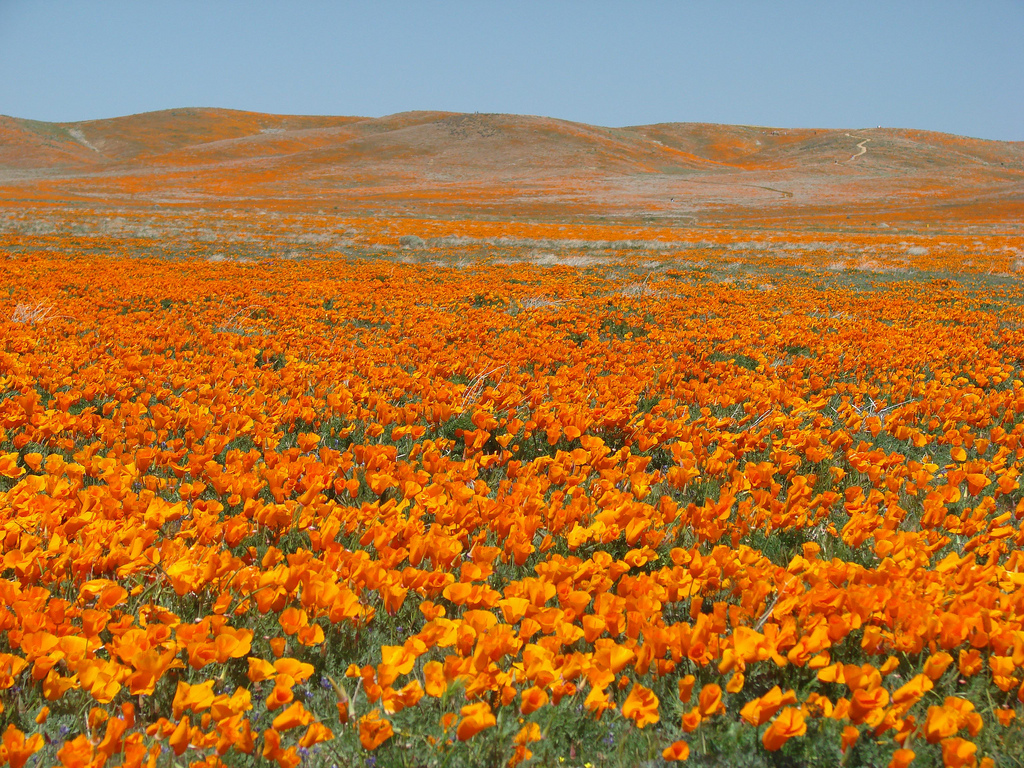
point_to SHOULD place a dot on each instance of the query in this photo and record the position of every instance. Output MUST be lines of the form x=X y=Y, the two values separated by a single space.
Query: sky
x=939 y=65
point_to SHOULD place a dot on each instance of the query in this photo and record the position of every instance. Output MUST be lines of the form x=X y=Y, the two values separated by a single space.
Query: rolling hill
x=445 y=164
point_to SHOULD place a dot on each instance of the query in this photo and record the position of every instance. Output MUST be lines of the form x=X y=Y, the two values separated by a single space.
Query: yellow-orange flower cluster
x=218 y=480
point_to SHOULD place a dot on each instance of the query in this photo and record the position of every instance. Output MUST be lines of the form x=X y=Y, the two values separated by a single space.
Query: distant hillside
x=437 y=162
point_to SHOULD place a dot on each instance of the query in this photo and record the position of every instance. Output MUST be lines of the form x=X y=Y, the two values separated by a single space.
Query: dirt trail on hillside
x=861 y=149
x=78 y=136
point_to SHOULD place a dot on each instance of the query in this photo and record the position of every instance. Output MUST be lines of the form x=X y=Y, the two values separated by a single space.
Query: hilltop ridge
x=437 y=163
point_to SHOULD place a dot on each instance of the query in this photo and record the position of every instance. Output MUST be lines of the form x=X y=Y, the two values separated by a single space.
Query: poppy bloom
x=17 y=749
x=533 y=699
x=179 y=739
x=759 y=711
x=710 y=700
x=435 y=681
x=641 y=706
x=474 y=718
x=959 y=753
x=677 y=751
x=788 y=724
x=315 y=734
x=292 y=717
x=374 y=730
x=937 y=664
x=849 y=738
x=686 y=688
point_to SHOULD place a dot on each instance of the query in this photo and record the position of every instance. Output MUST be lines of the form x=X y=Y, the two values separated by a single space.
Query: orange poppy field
x=475 y=492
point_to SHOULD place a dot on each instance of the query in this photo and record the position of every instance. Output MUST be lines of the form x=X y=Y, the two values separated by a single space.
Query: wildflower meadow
x=511 y=503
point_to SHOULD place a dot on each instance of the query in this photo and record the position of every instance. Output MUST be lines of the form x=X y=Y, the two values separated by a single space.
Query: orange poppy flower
x=641 y=706
x=789 y=723
x=436 y=682
x=937 y=664
x=533 y=699
x=315 y=734
x=474 y=718
x=294 y=716
x=710 y=700
x=677 y=751
x=17 y=749
x=374 y=730
x=686 y=688
x=759 y=711
x=958 y=753
x=849 y=738
x=179 y=739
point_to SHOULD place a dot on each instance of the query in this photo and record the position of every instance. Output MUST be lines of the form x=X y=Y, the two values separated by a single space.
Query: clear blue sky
x=954 y=66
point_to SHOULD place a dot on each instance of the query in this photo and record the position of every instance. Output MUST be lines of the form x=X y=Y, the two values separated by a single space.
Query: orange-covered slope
x=438 y=164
